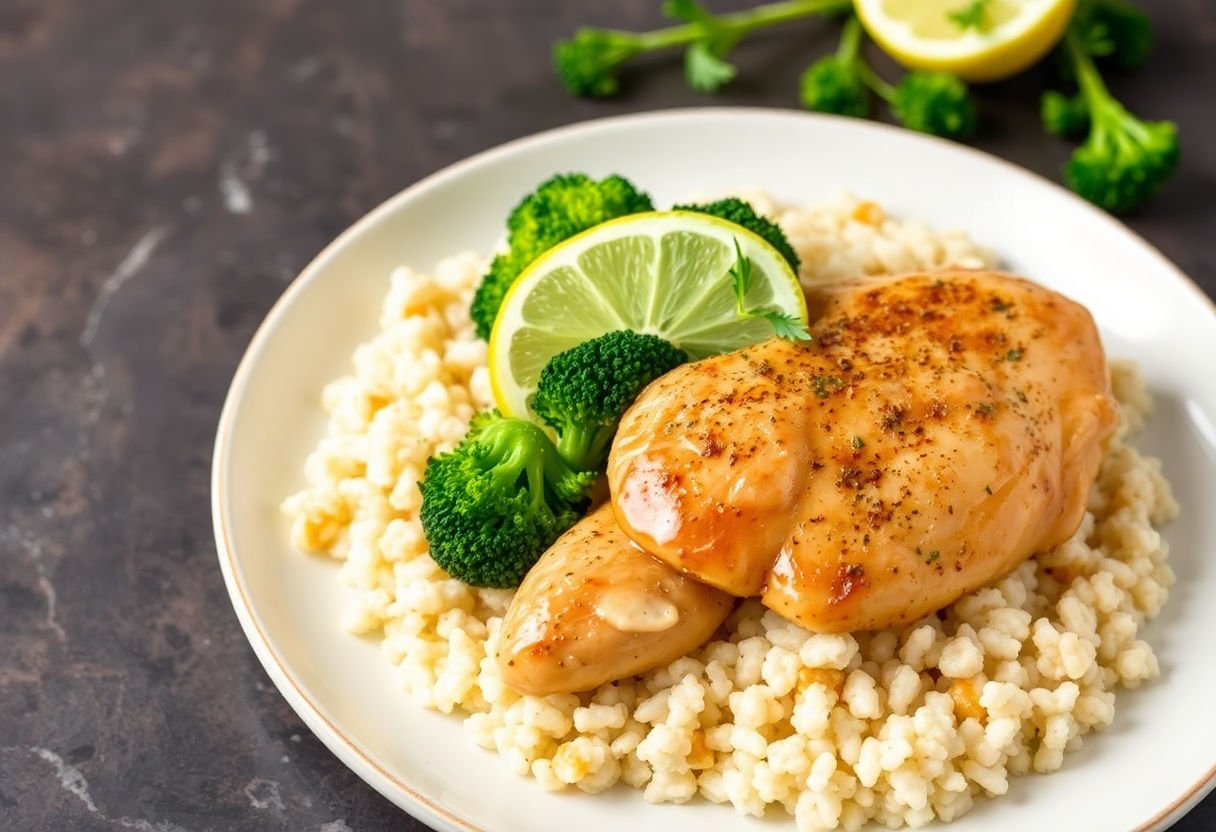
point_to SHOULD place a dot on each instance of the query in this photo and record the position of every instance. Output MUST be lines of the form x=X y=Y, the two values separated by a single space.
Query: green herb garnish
x=971 y=16
x=587 y=63
x=825 y=386
x=784 y=326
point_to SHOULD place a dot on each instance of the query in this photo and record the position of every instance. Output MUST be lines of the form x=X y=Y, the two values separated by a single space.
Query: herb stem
x=737 y=24
x=875 y=82
x=850 y=40
x=750 y=19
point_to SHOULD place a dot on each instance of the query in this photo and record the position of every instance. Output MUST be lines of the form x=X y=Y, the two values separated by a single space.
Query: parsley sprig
x=705 y=63
x=784 y=325
x=974 y=15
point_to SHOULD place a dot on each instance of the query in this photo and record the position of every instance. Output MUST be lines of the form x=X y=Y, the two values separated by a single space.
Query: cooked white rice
x=899 y=726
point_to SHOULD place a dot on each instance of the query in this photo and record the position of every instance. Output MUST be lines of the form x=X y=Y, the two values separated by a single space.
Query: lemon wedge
x=977 y=40
x=661 y=273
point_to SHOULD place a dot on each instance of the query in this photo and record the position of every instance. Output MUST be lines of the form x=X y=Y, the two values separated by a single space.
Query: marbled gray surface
x=165 y=169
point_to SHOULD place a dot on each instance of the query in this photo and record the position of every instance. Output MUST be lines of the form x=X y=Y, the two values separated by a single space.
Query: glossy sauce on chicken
x=595 y=608
x=940 y=429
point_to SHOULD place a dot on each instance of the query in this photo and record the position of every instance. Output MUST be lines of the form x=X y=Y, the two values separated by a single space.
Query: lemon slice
x=662 y=273
x=1009 y=35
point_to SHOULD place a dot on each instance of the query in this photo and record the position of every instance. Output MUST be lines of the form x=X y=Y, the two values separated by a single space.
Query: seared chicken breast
x=597 y=608
x=938 y=430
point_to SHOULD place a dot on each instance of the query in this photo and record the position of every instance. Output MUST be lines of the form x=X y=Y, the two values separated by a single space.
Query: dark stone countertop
x=165 y=170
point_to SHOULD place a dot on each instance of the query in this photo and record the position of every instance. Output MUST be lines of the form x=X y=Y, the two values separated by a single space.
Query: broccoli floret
x=567 y=204
x=934 y=102
x=1114 y=32
x=560 y=207
x=931 y=102
x=583 y=391
x=1063 y=116
x=587 y=63
x=1124 y=161
x=495 y=503
x=487 y=300
x=742 y=213
x=833 y=84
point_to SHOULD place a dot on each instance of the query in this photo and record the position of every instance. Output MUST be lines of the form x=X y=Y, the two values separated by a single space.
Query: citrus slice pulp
x=661 y=273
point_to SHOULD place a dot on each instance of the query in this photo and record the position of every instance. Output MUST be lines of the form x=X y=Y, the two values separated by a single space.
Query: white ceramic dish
x=1159 y=757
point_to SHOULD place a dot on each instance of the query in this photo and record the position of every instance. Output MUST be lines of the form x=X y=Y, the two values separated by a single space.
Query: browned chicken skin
x=940 y=429
x=595 y=608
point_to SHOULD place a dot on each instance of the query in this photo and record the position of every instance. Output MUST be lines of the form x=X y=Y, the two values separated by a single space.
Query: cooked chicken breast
x=940 y=429
x=597 y=608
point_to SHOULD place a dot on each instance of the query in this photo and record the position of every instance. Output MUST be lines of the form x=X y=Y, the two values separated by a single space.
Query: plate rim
x=347 y=749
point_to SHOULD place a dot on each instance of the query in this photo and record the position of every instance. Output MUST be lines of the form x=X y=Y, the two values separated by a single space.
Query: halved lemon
x=1003 y=38
x=662 y=273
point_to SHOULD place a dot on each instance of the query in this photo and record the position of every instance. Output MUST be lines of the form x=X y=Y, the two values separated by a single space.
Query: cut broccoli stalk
x=1124 y=161
x=495 y=503
x=560 y=207
x=583 y=392
x=743 y=214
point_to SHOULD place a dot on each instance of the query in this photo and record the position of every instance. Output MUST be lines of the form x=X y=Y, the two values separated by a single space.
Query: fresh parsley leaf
x=706 y=72
x=784 y=326
x=705 y=63
x=971 y=16
x=689 y=10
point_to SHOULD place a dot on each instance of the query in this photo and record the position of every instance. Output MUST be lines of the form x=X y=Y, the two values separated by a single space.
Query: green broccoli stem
x=516 y=447
x=849 y=51
x=850 y=41
x=534 y=471
x=1105 y=112
x=875 y=82
x=748 y=20
x=737 y=24
x=584 y=447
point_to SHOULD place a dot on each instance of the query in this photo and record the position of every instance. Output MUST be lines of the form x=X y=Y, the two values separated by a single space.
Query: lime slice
x=662 y=273
x=977 y=42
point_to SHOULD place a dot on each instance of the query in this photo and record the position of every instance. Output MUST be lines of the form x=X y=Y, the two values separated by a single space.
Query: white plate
x=1144 y=771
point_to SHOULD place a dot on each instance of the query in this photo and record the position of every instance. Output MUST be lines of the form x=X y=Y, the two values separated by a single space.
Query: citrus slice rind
x=921 y=34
